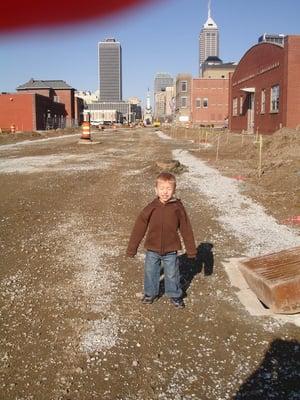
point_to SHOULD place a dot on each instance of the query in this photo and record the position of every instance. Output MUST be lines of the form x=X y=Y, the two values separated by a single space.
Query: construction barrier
x=86 y=131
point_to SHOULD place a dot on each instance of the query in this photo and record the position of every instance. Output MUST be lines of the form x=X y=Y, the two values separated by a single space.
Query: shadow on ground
x=189 y=268
x=277 y=377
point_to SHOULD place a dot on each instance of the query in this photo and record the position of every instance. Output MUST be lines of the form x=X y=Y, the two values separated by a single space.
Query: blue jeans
x=153 y=262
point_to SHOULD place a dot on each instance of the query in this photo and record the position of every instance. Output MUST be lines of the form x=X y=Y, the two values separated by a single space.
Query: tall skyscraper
x=208 y=40
x=110 y=70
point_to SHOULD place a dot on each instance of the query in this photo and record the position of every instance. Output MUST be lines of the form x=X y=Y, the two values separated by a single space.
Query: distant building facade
x=208 y=40
x=127 y=112
x=110 y=70
x=30 y=112
x=264 y=90
x=214 y=68
x=183 y=98
x=58 y=91
x=170 y=103
x=209 y=101
x=165 y=104
x=160 y=105
x=136 y=108
x=162 y=80
x=87 y=96
x=41 y=105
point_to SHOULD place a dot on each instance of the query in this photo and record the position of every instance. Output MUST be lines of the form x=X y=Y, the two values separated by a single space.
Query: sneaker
x=177 y=302
x=148 y=299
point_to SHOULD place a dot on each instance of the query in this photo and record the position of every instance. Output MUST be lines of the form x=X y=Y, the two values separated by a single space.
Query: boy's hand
x=191 y=257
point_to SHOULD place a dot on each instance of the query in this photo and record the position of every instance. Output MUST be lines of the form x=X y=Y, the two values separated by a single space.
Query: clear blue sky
x=160 y=38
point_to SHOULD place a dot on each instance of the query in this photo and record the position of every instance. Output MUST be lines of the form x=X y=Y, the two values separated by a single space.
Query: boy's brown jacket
x=163 y=222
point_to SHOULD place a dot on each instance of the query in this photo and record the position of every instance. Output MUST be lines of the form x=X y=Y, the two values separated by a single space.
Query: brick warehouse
x=264 y=90
x=40 y=105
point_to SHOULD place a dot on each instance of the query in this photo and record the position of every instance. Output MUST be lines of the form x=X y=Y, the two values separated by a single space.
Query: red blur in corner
x=20 y=14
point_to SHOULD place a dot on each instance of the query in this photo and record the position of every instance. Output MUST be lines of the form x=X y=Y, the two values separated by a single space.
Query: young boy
x=162 y=219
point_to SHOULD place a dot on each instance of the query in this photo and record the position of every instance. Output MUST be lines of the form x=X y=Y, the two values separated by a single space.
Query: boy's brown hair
x=166 y=177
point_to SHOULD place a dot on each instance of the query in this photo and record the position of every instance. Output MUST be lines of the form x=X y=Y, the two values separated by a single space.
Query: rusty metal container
x=275 y=279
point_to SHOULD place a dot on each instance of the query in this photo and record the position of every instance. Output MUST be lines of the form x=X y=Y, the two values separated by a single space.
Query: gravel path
x=239 y=215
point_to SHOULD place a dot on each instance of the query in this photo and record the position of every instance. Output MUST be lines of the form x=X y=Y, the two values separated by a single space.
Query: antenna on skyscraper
x=209 y=7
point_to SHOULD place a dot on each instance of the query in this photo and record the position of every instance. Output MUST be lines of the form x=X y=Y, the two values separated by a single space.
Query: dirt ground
x=277 y=186
x=72 y=323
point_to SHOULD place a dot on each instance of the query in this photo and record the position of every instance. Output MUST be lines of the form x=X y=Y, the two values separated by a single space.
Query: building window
x=205 y=102
x=263 y=101
x=241 y=105
x=235 y=107
x=183 y=102
x=198 y=103
x=183 y=85
x=274 y=98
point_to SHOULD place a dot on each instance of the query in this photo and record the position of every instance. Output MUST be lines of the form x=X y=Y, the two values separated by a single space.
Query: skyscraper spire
x=208 y=39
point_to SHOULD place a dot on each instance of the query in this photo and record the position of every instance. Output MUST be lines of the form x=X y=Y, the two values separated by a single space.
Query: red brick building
x=58 y=91
x=41 y=105
x=209 y=101
x=29 y=112
x=264 y=90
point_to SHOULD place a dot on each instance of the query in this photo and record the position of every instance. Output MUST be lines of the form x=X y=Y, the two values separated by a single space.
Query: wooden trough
x=275 y=279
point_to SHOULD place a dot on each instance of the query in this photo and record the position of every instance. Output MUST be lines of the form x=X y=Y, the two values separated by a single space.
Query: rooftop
x=47 y=84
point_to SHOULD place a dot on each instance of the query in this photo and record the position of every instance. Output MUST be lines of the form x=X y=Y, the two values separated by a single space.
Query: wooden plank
x=275 y=279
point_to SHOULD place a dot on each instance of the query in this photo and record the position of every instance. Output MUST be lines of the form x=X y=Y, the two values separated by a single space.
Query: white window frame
x=182 y=83
x=241 y=105
x=274 y=99
x=205 y=102
x=198 y=101
x=235 y=107
x=181 y=102
x=263 y=101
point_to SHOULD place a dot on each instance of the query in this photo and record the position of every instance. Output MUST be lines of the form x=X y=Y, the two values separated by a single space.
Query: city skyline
x=162 y=37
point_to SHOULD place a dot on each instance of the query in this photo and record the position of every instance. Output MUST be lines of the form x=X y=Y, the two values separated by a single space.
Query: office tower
x=110 y=70
x=161 y=81
x=208 y=40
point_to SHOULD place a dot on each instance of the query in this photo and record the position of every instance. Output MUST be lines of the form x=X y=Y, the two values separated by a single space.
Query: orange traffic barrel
x=86 y=131
x=13 y=128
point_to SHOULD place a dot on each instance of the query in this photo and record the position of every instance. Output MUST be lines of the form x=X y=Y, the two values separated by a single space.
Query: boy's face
x=165 y=190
